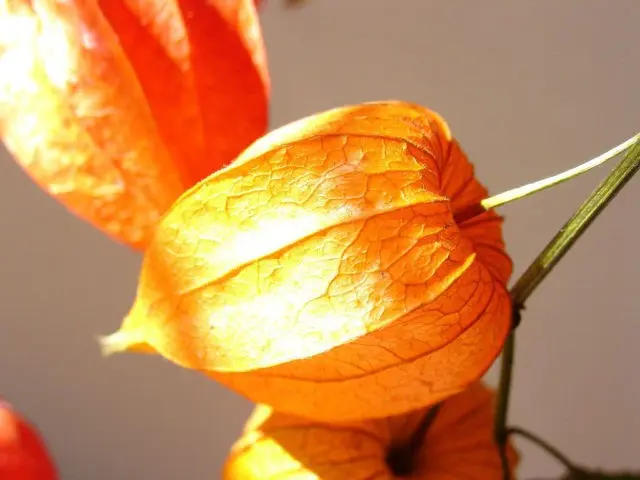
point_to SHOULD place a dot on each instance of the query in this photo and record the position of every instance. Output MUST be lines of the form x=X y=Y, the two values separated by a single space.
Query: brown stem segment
x=502 y=406
x=595 y=204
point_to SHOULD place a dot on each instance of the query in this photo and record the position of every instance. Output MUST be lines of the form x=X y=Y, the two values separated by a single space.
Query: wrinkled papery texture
x=458 y=445
x=115 y=107
x=323 y=273
x=23 y=455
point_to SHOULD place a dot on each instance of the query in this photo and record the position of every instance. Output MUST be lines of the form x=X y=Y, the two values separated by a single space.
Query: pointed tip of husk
x=117 y=342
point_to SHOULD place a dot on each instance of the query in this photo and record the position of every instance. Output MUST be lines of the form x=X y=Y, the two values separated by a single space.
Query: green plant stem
x=502 y=406
x=576 y=226
x=542 y=266
x=546 y=446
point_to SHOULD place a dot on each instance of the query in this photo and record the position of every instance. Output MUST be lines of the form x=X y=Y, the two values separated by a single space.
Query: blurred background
x=529 y=88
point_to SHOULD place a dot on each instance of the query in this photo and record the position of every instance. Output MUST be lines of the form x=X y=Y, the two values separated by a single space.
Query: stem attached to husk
x=402 y=458
x=576 y=226
x=546 y=261
x=540 y=185
x=534 y=187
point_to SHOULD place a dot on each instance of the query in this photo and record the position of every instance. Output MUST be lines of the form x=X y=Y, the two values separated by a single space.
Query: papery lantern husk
x=116 y=107
x=457 y=443
x=23 y=453
x=323 y=271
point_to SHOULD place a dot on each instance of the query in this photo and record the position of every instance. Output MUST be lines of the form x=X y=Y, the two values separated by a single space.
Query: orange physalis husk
x=458 y=444
x=323 y=273
x=115 y=107
x=23 y=454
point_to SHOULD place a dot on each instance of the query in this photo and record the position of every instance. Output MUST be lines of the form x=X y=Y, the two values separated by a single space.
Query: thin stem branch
x=534 y=187
x=546 y=446
x=542 y=266
x=576 y=226
x=418 y=437
x=539 y=185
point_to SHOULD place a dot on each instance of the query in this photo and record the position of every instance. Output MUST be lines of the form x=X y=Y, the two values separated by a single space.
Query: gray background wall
x=529 y=88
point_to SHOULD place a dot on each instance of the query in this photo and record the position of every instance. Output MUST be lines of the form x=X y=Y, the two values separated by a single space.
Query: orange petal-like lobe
x=457 y=444
x=115 y=107
x=203 y=70
x=23 y=455
x=323 y=272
